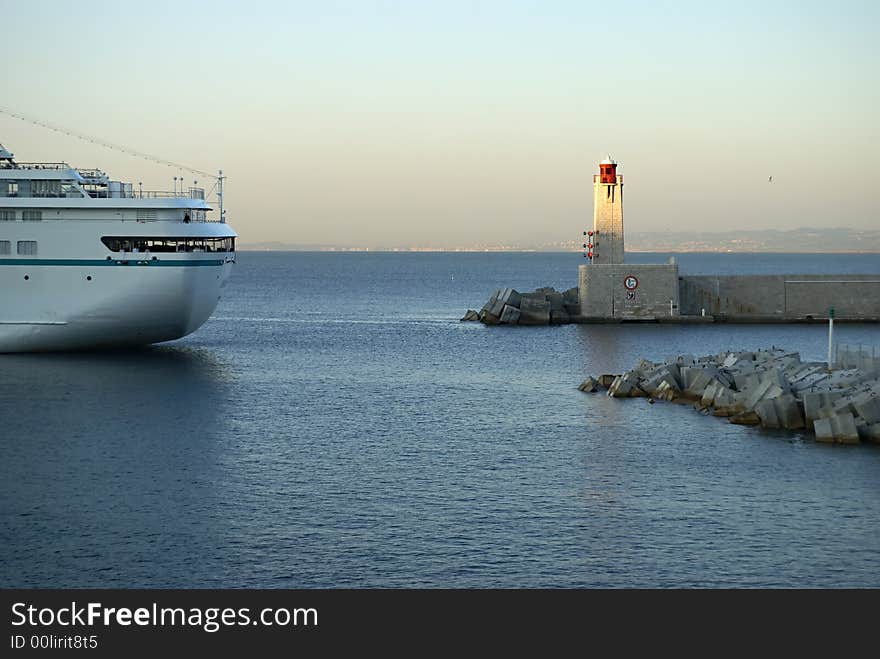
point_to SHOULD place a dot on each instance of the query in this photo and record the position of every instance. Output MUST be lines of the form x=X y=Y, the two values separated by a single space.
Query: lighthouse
x=607 y=238
x=609 y=288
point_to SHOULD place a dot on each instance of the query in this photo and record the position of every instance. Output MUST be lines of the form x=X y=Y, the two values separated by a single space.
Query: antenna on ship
x=220 y=178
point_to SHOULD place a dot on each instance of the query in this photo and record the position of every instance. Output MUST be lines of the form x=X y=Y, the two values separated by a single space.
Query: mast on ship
x=220 y=196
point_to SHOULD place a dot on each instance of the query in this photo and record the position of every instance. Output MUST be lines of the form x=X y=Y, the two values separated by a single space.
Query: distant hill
x=769 y=240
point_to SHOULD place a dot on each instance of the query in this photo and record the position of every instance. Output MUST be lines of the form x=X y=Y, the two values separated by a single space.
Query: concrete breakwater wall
x=770 y=388
x=784 y=297
x=655 y=293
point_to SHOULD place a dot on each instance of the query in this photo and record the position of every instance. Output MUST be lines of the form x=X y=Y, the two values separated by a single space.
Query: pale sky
x=452 y=123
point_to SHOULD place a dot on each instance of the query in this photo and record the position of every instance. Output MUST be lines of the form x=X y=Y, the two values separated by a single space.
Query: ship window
x=32 y=216
x=12 y=189
x=27 y=247
x=40 y=188
x=7 y=216
x=5 y=247
x=69 y=189
x=177 y=244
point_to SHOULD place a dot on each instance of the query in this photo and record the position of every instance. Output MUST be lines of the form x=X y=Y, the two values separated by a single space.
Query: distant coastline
x=797 y=241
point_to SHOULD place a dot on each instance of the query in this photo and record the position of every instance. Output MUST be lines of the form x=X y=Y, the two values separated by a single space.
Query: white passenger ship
x=88 y=262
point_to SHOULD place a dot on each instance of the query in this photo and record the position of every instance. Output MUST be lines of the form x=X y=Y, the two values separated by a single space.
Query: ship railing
x=192 y=193
x=92 y=173
x=42 y=165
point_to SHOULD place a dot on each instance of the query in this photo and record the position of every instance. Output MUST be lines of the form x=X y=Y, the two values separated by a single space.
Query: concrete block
x=841 y=429
x=826 y=412
x=766 y=411
x=814 y=401
x=809 y=382
x=845 y=429
x=807 y=371
x=862 y=429
x=709 y=393
x=634 y=380
x=700 y=381
x=555 y=300
x=606 y=379
x=646 y=366
x=867 y=406
x=688 y=374
x=572 y=310
x=744 y=381
x=631 y=381
x=748 y=418
x=741 y=366
x=675 y=371
x=774 y=391
x=724 y=378
x=843 y=404
x=589 y=385
x=534 y=312
x=723 y=398
x=787 y=362
x=488 y=318
x=757 y=393
x=470 y=315
x=620 y=388
x=491 y=301
x=872 y=433
x=663 y=374
x=777 y=377
x=788 y=412
x=559 y=317
x=497 y=307
x=509 y=315
x=824 y=431
x=666 y=392
x=510 y=297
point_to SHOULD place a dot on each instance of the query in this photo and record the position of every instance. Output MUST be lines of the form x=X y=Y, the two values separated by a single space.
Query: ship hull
x=51 y=307
x=75 y=293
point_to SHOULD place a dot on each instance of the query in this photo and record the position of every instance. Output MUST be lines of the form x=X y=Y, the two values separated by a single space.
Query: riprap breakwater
x=770 y=388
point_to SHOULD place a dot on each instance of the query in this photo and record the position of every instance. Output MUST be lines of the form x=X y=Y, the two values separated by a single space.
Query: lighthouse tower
x=607 y=236
x=608 y=288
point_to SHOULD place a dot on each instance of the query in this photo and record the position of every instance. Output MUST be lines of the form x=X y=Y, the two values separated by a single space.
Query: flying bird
x=770 y=180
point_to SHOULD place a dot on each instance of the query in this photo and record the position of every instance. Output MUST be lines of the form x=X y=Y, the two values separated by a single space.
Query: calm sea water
x=334 y=425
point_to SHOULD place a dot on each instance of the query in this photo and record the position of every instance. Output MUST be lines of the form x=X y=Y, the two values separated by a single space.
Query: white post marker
x=830 y=334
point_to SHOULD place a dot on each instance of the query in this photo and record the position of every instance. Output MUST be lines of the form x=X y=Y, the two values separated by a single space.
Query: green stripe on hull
x=97 y=263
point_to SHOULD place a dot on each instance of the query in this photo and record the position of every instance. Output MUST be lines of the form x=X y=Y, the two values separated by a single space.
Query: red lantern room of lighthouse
x=608 y=171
